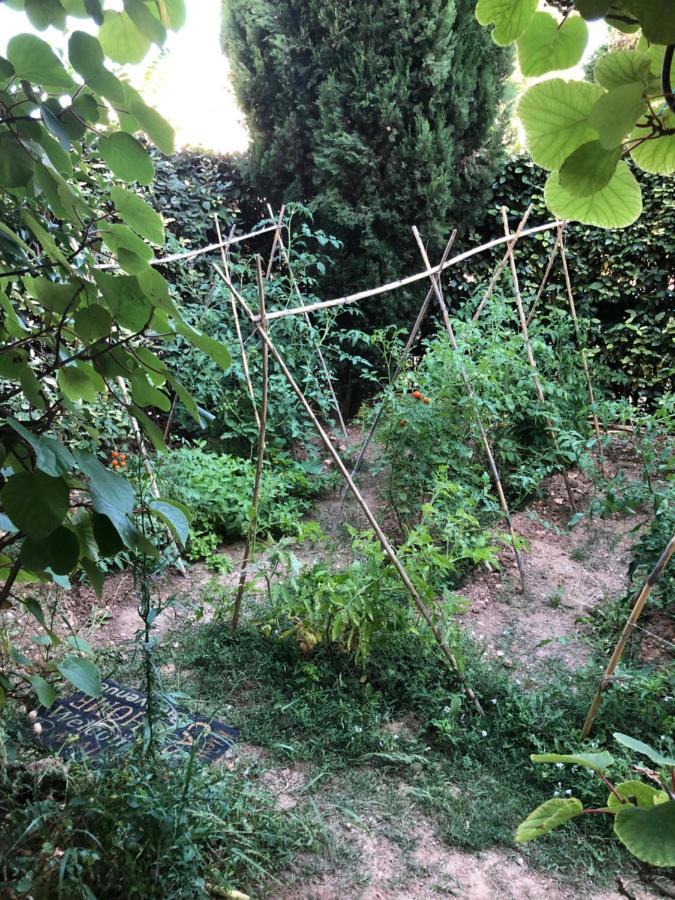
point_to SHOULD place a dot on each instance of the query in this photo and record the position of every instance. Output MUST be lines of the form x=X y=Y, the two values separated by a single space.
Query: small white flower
x=176 y=645
x=556 y=793
x=446 y=710
x=483 y=734
x=667 y=699
x=32 y=715
x=37 y=728
x=358 y=729
x=568 y=793
x=560 y=765
x=494 y=701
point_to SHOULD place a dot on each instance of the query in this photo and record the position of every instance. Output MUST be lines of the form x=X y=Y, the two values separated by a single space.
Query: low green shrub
x=218 y=490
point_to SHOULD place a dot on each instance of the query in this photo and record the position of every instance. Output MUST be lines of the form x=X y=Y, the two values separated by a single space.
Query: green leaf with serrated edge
x=34 y=60
x=51 y=457
x=621 y=67
x=636 y=792
x=126 y=157
x=43 y=13
x=598 y=761
x=617 y=205
x=643 y=749
x=138 y=215
x=121 y=40
x=510 y=17
x=85 y=54
x=82 y=673
x=155 y=126
x=56 y=296
x=592 y=9
x=144 y=20
x=12 y=323
x=547 y=45
x=80 y=644
x=589 y=169
x=548 y=816
x=649 y=834
x=43 y=690
x=91 y=323
x=616 y=112
x=80 y=382
x=656 y=18
x=173 y=516
x=111 y=494
x=146 y=394
x=107 y=85
x=655 y=155
x=36 y=503
x=128 y=304
x=156 y=289
x=555 y=116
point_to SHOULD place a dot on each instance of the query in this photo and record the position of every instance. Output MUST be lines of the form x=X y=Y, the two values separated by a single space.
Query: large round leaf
x=155 y=126
x=132 y=252
x=138 y=215
x=617 y=205
x=80 y=381
x=34 y=60
x=555 y=116
x=510 y=17
x=121 y=40
x=36 y=503
x=82 y=673
x=126 y=157
x=589 y=169
x=59 y=551
x=547 y=45
x=649 y=834
x=656 y=155
x=92 y=323
x=637 y=793
x=622 y=67
x=85 y=54
x=616 y=112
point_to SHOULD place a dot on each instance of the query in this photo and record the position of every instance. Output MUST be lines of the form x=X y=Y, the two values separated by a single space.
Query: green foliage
x=72 y=332
x=139 y=832
x=218 y=490
x=621 y=280
x=644 y=817
x=581 y=131
x=379 y=117
x=419 y=438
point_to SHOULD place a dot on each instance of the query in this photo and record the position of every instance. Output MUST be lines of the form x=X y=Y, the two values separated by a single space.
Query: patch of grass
x=471 y=773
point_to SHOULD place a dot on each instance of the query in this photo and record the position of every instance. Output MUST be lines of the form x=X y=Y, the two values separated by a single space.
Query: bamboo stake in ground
x=253 y=525
x=277 y=238
x=629 y=627
x=582 y=349
x=386 y=546
x=502 y=265
x=402 y=361
x=322 y=360
x=237 y=328
x=152 y=477
x=530 y=354
x=436 y=286
x=544 y=281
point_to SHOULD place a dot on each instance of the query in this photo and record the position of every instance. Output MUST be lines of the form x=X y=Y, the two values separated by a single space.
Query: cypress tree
x=378 y=115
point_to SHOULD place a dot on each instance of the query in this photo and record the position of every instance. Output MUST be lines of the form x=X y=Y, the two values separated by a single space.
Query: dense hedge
x=623 y=279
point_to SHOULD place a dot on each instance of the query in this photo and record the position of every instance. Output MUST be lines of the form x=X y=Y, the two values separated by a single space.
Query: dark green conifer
x=380 y=115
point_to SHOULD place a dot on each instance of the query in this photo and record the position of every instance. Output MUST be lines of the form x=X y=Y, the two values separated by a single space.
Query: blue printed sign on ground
x=82 y=724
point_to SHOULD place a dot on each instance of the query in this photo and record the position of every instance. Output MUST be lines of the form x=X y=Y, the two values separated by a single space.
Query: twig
x=544 y=281
x=502 y=265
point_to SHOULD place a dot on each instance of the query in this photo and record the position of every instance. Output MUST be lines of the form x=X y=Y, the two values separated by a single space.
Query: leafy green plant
x=218 y=489
x=582 y=132
x=644 y=815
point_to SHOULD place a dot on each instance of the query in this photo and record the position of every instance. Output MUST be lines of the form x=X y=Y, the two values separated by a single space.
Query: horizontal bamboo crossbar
x=403 y=282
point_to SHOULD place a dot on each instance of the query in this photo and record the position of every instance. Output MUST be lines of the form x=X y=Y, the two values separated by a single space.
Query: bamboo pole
x=435 y=282
x=210 y=248
x=530 y=355
x=402 y=361
x=322 y=360
x=253 y=525
x=502 y=265
x=277 y=238
x=147 y=465
x=404 y=282
x=386 y=546
x=582 y=349
x=544 y=281
x=629 y=627
x=237 y=328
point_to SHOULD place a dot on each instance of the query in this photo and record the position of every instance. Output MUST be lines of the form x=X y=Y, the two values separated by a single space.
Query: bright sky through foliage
x=188 y=81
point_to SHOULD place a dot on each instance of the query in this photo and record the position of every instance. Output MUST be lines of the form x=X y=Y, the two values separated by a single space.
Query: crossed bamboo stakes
x=261 y=320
